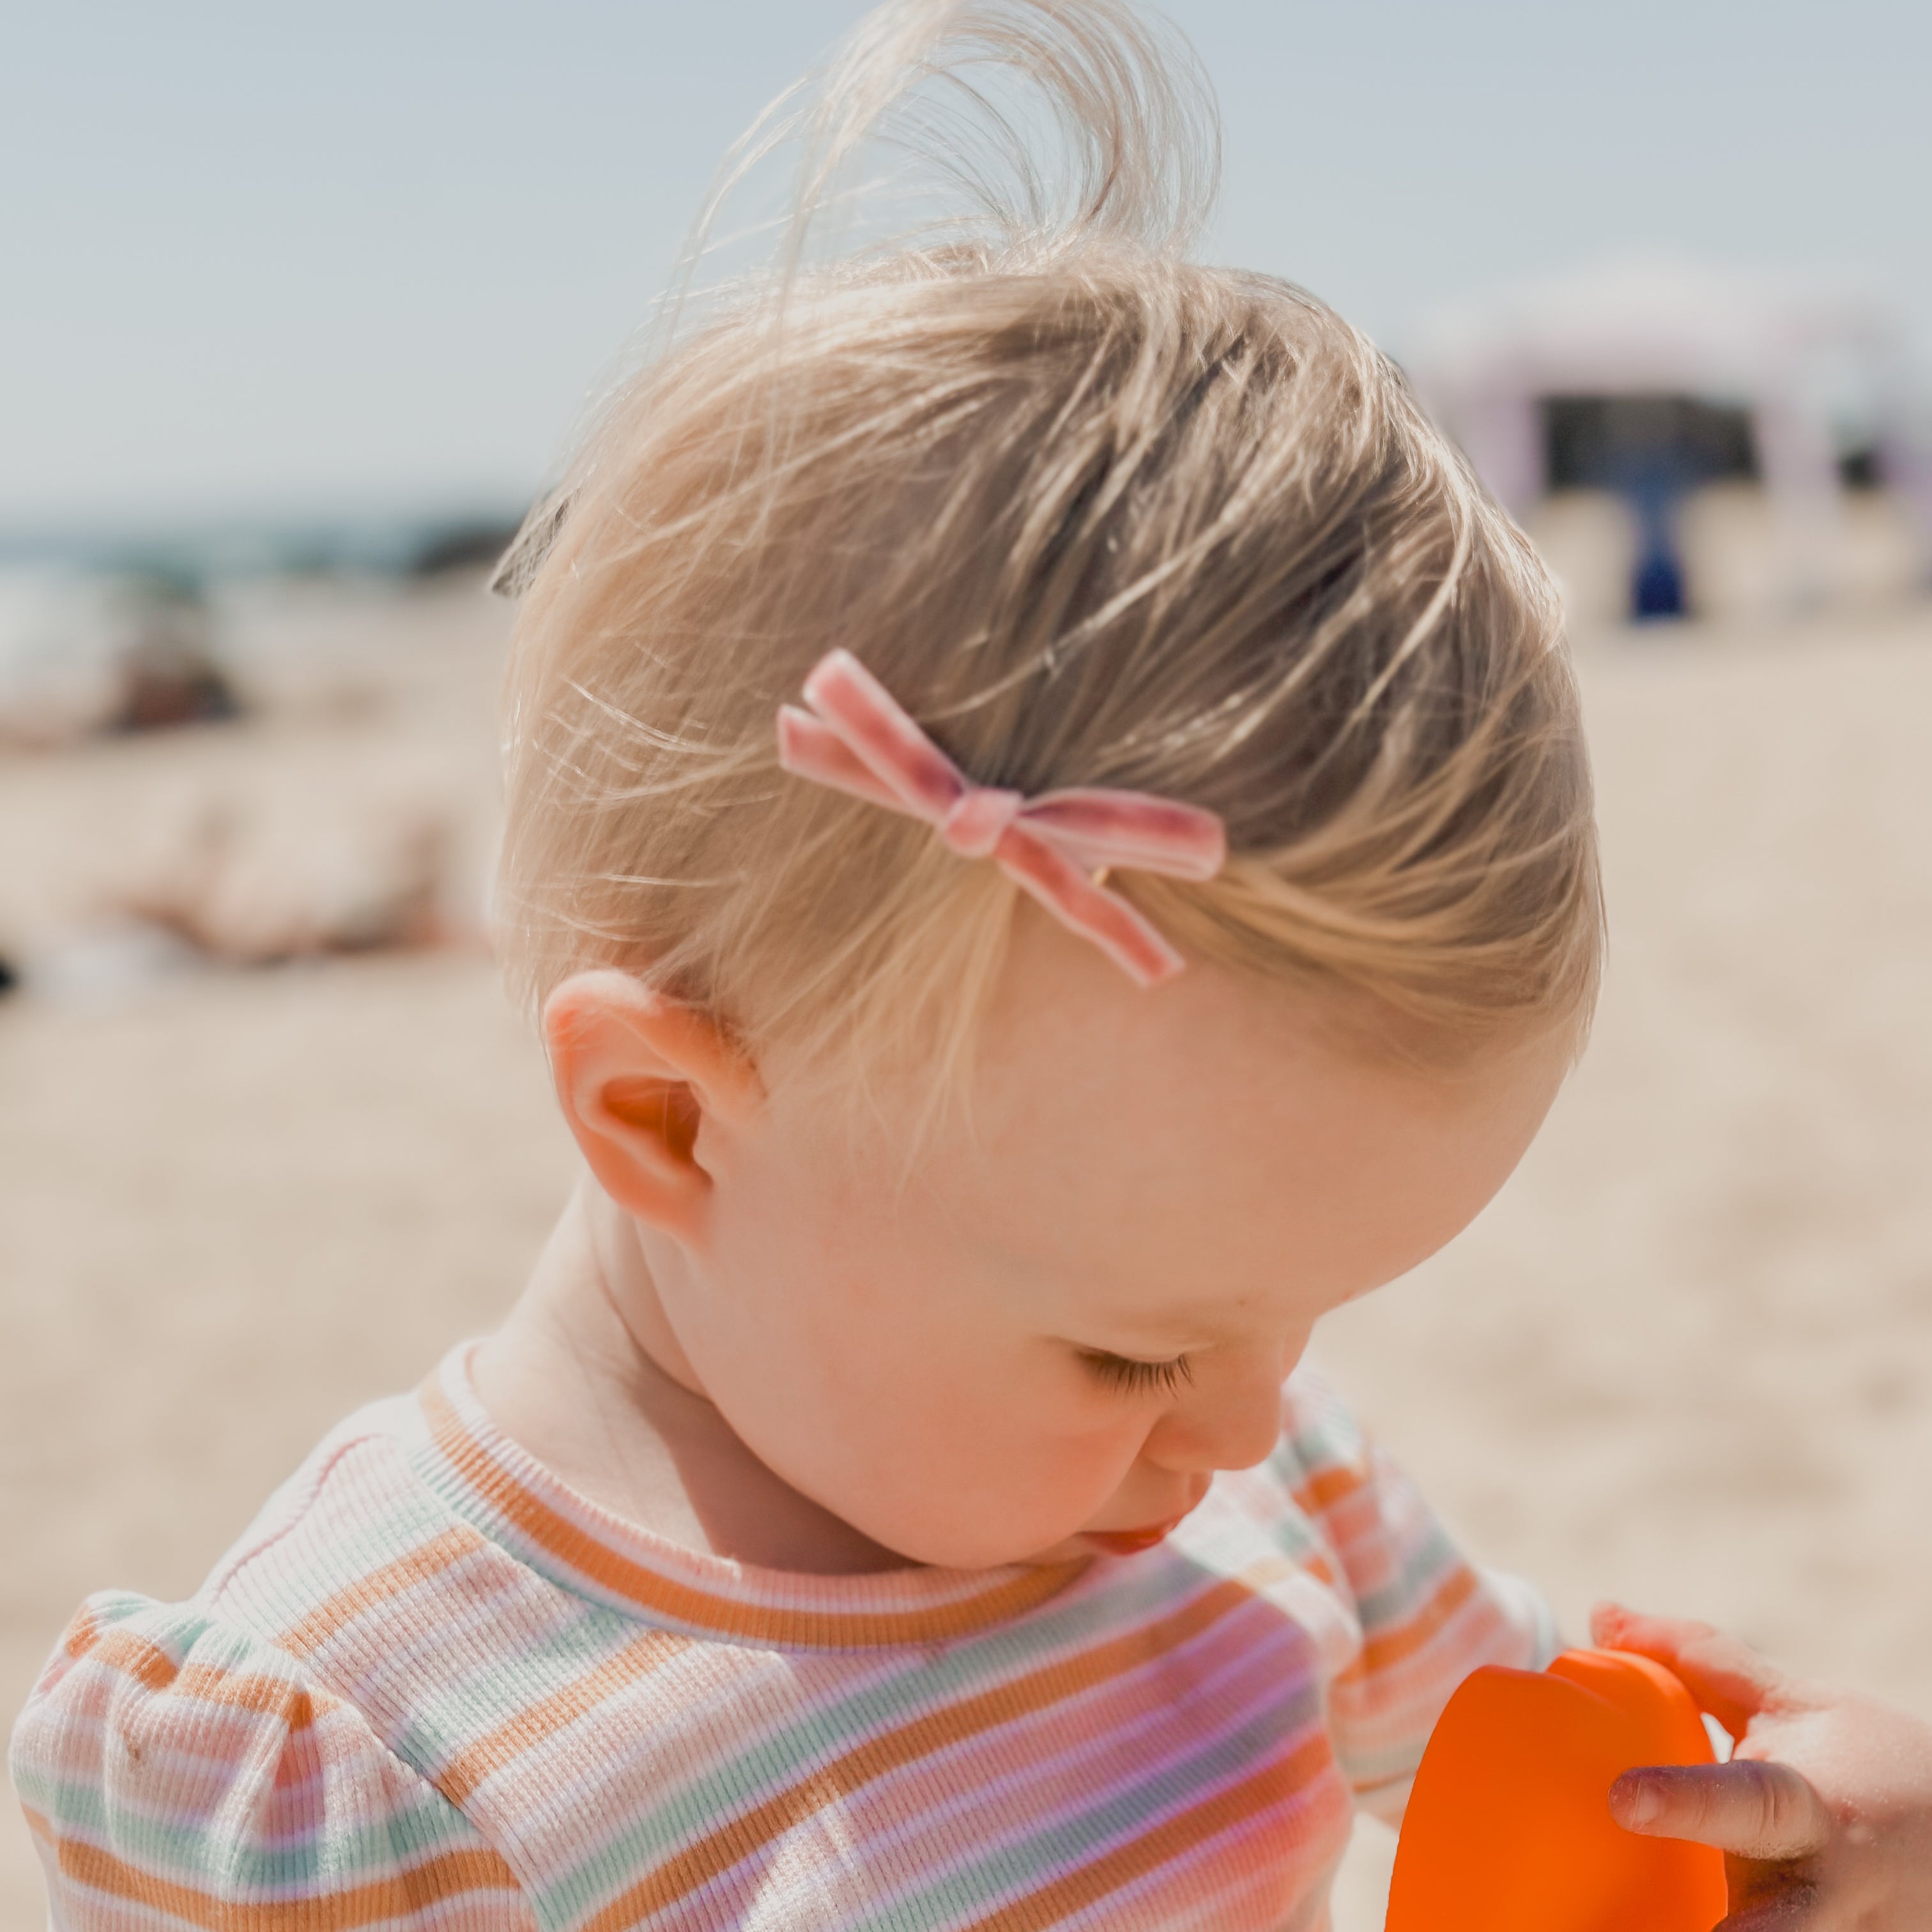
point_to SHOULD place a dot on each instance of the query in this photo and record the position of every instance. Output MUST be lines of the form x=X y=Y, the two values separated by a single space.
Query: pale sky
x=261 y=260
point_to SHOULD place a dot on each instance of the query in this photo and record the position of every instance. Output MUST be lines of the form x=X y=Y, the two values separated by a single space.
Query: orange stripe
x=491 y=1752
x=1278 y=1564
x=1272 y=1786
x=132 y=1655
x=825 y=1629
x=337 y=1612
x=81 y=1632
x=393 y=1900
x=1391 y=1646
x=1052 y=1683
x=1327 y=1487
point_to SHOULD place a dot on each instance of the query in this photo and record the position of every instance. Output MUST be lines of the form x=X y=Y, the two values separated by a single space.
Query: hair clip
x=856 y=739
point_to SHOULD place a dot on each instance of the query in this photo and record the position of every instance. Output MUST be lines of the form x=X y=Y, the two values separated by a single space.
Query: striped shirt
x=432 y=1687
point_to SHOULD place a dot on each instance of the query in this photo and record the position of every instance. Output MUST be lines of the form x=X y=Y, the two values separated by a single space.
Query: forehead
x=1214 y=1150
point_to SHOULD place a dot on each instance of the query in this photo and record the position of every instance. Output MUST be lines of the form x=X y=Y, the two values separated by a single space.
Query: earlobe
x=639 y=1078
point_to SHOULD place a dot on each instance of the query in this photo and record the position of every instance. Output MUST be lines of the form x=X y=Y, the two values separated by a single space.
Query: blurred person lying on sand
x=1049 y=826
x=226 y=878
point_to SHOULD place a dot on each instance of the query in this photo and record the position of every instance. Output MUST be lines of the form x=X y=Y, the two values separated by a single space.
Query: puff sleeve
x=177 y=1773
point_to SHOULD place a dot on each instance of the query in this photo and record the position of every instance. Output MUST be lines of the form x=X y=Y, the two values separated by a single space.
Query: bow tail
x=1037 y=864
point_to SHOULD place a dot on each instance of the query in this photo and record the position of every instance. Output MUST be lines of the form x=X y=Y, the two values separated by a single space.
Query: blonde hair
x=1095 y=515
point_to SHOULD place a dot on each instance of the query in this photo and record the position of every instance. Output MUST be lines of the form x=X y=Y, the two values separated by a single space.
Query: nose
x=1230 y=1419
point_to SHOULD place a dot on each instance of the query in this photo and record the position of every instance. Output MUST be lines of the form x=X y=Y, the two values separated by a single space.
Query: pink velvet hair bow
x=856 y=739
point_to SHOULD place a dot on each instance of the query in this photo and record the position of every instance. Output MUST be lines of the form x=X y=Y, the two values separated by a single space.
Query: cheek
x=810 y=1294
x=866 y=1375
x=966 y=1474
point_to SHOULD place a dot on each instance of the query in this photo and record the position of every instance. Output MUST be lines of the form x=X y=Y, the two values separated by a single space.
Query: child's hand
x=1826 y=1809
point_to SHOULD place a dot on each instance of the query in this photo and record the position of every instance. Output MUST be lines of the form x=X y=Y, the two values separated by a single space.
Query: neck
x=588 y=1376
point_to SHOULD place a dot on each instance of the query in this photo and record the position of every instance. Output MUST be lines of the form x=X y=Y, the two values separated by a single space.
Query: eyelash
x=1136 y=1378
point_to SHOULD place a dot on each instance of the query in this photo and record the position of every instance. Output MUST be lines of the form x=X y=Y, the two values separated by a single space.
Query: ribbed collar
x=519 y=1504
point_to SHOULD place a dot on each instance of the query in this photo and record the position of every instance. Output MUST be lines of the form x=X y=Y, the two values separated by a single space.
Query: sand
x=1686 y=1358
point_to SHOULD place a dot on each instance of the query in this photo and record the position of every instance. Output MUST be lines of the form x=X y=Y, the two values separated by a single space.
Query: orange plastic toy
x=1509 y=1828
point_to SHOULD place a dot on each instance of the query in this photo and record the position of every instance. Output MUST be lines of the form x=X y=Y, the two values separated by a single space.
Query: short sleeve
x=1427 y=1616
x=178 y=1774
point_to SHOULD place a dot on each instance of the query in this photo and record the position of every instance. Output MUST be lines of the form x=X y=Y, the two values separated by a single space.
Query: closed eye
x=1136 y=1378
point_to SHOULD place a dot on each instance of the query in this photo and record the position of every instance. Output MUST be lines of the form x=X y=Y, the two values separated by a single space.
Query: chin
x=968 y=1552
x=1075 y=1548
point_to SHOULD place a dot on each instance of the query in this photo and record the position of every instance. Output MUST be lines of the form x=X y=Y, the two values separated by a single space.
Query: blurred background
x=299 y=307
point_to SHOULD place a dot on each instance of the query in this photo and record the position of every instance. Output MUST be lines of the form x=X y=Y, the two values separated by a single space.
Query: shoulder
x=175 y=1767
x=1376 y=1575
x=356 y=1501
x=1323 y=1453
x=1332 y=1472
x=1412 y=1588
x=1319 y=1480
x=1329 y=1478
x=1410 y=1616
x=218 y=1761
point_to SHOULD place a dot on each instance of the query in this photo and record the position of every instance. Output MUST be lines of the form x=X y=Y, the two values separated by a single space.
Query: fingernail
x=1637 y=1801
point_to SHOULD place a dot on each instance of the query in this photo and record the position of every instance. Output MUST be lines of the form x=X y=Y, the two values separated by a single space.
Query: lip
x=1131 y=1542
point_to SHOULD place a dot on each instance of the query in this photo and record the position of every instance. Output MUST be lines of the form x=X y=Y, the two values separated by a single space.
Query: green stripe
x=974 y=1887
x=344 y=1851
x=821 y=1733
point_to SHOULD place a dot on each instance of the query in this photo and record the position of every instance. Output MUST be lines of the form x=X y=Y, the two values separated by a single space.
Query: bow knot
x=977 y=820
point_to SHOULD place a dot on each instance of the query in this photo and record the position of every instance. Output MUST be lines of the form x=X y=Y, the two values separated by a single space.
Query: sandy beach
x=1686 y=1359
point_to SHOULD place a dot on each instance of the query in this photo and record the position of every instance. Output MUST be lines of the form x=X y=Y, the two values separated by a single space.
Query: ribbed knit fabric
x=432 y=1687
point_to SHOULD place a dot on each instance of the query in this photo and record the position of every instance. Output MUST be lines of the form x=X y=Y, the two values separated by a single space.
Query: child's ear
x=638 y=1076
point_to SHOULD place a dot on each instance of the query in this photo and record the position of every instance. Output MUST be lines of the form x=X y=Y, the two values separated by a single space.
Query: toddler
x=1049 y=830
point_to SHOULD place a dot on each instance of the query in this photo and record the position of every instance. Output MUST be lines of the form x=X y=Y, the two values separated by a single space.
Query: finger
x=1726 y=1676
x=1749 y=1807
